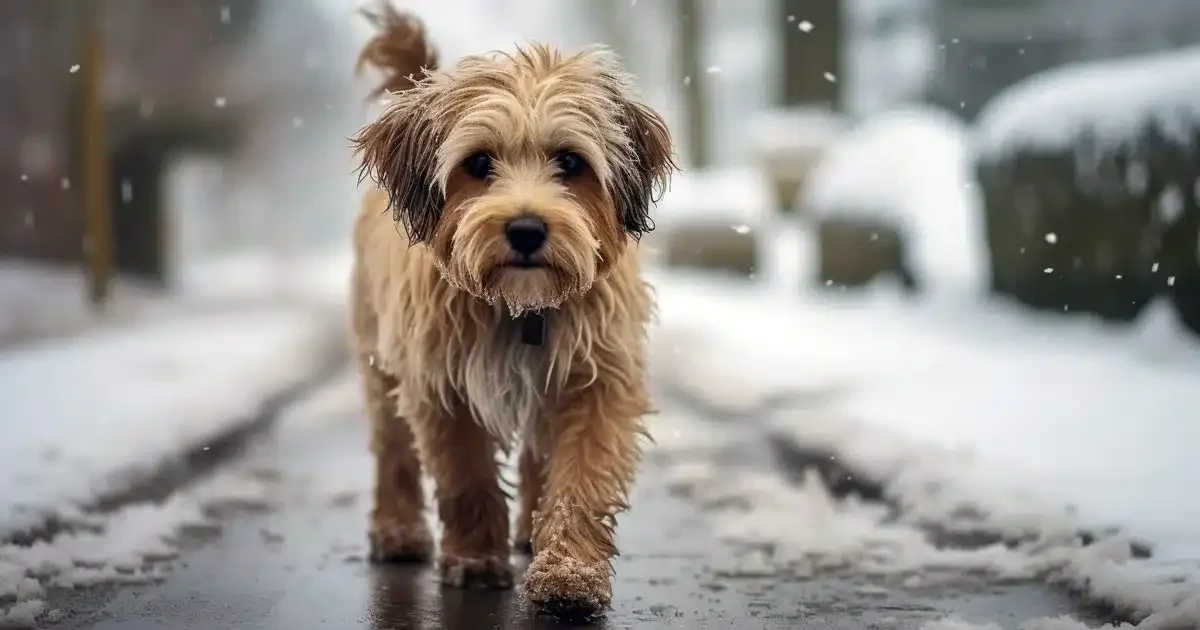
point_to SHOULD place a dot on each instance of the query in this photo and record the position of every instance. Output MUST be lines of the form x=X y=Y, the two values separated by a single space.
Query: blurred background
x=135 y=164
x=1020 y=177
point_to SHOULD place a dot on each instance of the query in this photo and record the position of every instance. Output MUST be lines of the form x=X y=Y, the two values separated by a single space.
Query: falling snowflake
x=714 y=69
x=65 y=183
x=219 y=101
x=1154 y=267
x=1048 y=270
x=741 y=229
x=225 y=14
x=687 y=80
x=830 y=77
x=1170 y=281
x=1051 y=238
x=74 y=68
x=806 y=26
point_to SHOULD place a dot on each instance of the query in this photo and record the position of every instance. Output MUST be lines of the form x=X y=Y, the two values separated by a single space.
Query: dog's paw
x=570 y=590
x=480 y=572
x=396 y=541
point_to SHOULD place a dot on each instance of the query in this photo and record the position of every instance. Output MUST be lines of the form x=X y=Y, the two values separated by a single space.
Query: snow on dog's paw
x=567 y=588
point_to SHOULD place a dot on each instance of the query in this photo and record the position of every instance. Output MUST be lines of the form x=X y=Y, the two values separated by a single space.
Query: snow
x=85 y=416
x=799 y=130
x=908 y=168
x=976 y=418
x=141 y=542
x=38 y=299
x=731 y=196
x=1113 y=100
x=133 y=545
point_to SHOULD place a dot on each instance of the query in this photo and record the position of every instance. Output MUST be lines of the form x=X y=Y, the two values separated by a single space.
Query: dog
x=497 y=299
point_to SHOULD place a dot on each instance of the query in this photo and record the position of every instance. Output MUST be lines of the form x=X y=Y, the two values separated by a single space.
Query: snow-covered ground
x=139 y=542
x=976 y=418
x=84 y=417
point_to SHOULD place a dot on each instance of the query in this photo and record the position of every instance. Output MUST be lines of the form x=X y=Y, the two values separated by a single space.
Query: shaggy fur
x=439 y=289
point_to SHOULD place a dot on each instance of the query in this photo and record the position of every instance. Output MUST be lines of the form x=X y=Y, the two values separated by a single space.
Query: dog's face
x=525 y=174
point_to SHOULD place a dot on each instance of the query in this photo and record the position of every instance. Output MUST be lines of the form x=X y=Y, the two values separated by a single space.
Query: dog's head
x=525 y=174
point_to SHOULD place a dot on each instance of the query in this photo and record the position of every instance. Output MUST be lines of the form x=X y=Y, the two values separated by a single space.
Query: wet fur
x=449 y=386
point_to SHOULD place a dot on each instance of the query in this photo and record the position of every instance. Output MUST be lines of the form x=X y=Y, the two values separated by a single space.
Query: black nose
x=526 y=235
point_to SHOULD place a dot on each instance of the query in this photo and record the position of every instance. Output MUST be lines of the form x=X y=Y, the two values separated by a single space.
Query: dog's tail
x=400 y=49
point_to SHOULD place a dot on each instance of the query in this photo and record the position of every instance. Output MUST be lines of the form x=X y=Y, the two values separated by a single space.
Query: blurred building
x=166 y=66
x=985 y=46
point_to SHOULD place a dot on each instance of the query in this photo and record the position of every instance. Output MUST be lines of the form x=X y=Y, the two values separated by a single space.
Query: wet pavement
x=297 y=562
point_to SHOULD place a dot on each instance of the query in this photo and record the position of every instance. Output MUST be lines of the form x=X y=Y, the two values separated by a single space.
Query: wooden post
x=812 y=53
x=691 y=27
x=98 y=247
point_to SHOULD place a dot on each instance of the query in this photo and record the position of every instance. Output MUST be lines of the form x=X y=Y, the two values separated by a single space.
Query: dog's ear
x=642 y=175
x=399 y=153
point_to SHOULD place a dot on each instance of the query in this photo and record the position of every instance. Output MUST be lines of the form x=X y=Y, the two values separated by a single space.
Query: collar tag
x=533 y=329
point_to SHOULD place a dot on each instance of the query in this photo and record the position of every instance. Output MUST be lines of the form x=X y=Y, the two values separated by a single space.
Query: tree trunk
x=812 y=53
x=691 y=26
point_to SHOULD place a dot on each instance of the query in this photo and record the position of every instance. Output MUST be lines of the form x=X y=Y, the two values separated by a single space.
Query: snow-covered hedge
x=895 y=194
x=788 y=143
x=710 y=219
x=1090 y=177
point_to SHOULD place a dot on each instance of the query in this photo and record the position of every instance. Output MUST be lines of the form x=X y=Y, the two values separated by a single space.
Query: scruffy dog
x=508 y=307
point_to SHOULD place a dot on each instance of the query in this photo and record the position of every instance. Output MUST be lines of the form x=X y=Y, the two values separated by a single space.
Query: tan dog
x=509 y=308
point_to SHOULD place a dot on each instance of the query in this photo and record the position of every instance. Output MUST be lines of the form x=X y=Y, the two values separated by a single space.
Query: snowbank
x=1114 y=100
x=977 y=423
x=83 y=418
x=909 y=169
x=720 y=196
x=38 y=299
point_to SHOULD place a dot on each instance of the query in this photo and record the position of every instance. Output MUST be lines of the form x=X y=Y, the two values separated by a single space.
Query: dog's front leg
x=462 y=458
x=531 y=470
x=594 y=454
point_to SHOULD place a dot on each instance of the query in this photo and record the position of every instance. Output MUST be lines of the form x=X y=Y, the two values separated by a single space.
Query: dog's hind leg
x=462 y=458
x=398 y=531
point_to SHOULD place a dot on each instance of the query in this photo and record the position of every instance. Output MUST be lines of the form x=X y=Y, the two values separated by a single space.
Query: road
x=299 y=562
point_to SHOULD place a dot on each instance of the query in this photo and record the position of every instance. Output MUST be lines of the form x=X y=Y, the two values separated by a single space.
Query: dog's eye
x=479 y=165
x=570 y=163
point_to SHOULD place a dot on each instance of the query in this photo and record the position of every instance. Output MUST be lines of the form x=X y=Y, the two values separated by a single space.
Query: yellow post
x=98 y=249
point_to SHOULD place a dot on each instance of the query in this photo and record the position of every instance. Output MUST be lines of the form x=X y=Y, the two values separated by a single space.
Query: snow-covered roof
x=1113 y=100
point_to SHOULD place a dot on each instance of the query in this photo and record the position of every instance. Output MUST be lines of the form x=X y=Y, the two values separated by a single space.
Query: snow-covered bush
x=788 y=143
x=1089 y=174
x=895 y=195
x=710 y=219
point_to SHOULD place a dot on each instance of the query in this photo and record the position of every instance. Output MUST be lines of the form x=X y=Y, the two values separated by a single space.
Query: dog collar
x=533 y=328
